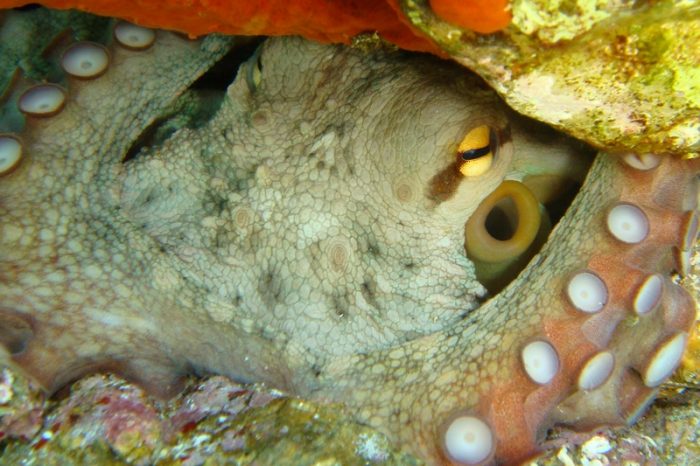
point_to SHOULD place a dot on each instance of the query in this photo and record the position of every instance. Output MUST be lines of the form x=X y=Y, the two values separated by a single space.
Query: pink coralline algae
x=105 y=420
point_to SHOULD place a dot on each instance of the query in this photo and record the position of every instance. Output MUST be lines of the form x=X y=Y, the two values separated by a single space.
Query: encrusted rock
x=620 y=75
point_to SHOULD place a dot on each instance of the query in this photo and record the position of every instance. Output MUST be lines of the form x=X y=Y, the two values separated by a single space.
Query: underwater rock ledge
x=622 y=76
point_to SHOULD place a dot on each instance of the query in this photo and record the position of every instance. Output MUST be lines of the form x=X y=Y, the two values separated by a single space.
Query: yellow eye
x=475 y=153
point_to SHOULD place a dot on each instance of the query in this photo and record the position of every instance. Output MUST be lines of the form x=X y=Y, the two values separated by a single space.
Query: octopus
x=360 y=226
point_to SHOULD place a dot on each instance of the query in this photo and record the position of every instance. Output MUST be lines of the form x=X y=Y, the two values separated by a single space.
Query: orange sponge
x=321 y=20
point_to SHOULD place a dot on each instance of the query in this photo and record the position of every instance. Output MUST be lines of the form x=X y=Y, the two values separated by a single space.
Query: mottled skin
x=298 y=238
x=298 y=232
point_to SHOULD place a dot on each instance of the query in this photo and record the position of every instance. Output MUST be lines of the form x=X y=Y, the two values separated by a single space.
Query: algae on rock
x=623 y=76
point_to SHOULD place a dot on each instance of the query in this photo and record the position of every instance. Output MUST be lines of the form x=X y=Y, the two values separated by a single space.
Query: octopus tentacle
x=59 y=123
x=583 y=338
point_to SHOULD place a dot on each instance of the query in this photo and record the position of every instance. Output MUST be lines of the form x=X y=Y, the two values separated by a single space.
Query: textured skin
x=294 y=240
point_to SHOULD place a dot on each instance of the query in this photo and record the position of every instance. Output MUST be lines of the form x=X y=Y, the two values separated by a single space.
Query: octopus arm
x=52 y=327
x=542 y=353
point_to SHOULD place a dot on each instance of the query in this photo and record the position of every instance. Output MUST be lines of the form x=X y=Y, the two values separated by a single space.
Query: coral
x=217 y=420
x=21 y=407
x=104 y=420
x=309 y=233
x=666 y=434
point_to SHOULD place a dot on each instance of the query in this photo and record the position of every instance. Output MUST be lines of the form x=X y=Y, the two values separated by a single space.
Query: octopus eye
x=476 y=151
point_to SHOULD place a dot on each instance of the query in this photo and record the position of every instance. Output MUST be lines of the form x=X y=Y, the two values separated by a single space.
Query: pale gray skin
x=294 y=239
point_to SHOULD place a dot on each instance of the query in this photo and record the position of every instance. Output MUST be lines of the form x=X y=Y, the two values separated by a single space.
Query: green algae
x=286 y=431
x=60 y=453
x=553 y=21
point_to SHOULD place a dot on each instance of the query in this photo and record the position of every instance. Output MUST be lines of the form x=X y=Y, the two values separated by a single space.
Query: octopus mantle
x=327 y=176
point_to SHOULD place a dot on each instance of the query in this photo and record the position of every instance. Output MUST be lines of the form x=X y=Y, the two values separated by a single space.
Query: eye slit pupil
x=472 y=154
